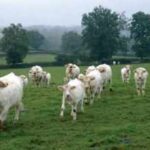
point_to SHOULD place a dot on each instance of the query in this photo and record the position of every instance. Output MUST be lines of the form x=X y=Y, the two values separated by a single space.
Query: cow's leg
x=82 y=107
x=62 y=107
x=19 y=108
x=74 y=111
x=3 y=116
x=138 y=91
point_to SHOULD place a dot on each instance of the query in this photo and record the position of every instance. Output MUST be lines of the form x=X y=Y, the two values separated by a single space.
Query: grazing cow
x=11 y=93
x=72 y=71
x=35 y=75
x=106 y=73
x=73 y=94
x=126 y=73
x=93 y=84
x=140 y=76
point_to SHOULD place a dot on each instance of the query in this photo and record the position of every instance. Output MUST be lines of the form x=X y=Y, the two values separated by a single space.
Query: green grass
x=32 y=58
x=120 y=120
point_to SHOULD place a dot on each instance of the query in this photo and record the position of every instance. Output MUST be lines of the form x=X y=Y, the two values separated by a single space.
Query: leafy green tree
x=71 y=42
x=71 y=46
x=35 y=39
x=123 y=45
x=140 y=32
x=14 y=43
x=101 y=32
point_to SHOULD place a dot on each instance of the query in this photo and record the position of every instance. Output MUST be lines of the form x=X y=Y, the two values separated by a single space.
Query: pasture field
x=32 y=58
x=120 y=120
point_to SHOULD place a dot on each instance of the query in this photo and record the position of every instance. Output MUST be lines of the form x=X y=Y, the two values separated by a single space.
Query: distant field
x=120 y=120
x=31 y=58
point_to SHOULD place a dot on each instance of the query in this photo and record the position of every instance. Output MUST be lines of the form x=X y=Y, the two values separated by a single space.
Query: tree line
x=104 y=34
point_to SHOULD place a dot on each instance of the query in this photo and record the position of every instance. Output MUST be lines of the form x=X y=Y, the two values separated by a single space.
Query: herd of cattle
x=78 y=88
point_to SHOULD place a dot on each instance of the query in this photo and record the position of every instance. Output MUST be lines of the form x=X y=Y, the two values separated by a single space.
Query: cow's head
x=67 y=92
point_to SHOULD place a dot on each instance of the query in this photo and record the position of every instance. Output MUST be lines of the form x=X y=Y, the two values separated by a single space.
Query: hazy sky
x=61 y=12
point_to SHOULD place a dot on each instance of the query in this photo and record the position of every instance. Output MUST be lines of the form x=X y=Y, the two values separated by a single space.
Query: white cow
x=126 y=73
x=140 y=77
x=11 y=93
x=25 y=79
x=89 y=69
x=106 y=73
x=73 y=94
x=72 y=71
x=46 y=78
x=93 y=84
x=35 y=75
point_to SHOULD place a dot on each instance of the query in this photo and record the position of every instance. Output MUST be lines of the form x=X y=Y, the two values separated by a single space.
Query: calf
x=126 y=73
x=140 y=76
x=73 y=94
x=46 y=78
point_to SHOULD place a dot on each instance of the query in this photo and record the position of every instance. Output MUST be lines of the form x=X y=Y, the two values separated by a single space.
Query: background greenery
x=103 y=33
x=33 y=58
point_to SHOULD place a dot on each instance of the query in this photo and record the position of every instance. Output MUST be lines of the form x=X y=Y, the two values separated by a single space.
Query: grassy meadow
x=32 y=58
x=120 y=120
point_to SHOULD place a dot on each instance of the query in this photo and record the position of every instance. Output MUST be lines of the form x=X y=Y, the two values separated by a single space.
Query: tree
x=71 y=42
x=124 y=22
x=71 y=46
x=101 y=32
x=140 y=32
x=124 y=47
x=35 y=39
x=14 y=43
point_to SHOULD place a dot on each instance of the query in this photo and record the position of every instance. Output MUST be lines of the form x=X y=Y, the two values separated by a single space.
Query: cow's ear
x=102 y=70
x=92 y=78
x=61 y=87
x=72 y=87
x=66 y=65
x=2 y=84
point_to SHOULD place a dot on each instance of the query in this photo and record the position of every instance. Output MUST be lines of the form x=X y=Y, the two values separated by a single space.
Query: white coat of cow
x=35 y=75
x=46 y=79
x=93 y=84
x=11 y=93
x=73 y=94
x=106 y=73
x=89 y=69
x=140 y=76
x=125 y=74
x=72 y=71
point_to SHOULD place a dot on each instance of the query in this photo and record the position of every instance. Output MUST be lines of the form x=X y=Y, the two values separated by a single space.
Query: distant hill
x=53 y=35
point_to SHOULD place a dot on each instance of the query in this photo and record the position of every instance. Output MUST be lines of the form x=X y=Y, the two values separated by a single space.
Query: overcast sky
x=61 y=12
